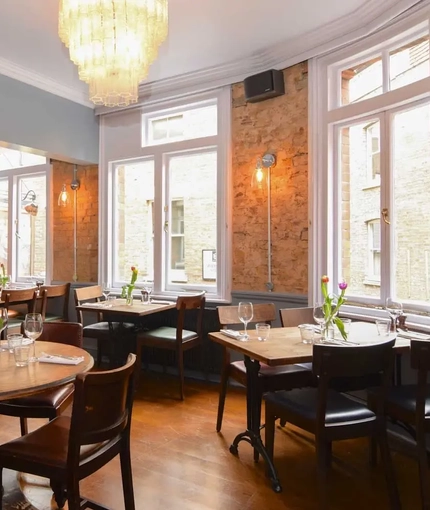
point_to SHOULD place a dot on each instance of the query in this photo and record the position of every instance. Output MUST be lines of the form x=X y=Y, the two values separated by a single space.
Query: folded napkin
x=59 y=359
x=231 y=333
x=160 y=302
x=96 y=305
x=413 y=335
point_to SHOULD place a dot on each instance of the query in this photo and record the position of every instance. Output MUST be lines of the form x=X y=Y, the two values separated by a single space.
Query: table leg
x=253 y=411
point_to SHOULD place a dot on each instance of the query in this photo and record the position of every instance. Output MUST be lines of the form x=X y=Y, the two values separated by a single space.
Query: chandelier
x=113 y=43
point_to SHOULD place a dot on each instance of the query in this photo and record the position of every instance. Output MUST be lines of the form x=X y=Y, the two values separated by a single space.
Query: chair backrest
x=20 y=297
x=55 y=292
x=70 y=333
x=420 y=361
x=102 y=408
x=183 y=305
x=263 y=312
x=84 y=294
x=374 y=362
x=291 y=317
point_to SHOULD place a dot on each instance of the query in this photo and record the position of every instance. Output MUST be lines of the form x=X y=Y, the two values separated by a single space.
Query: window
x=23 y=216
x=375 y=153
x=169 y=201
x=374 y=247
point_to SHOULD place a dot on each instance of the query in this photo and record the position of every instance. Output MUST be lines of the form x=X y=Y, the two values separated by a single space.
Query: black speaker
x=264 y=86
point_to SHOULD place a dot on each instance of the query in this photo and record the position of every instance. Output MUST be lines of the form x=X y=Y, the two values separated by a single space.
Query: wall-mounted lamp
x=31 y=208
x=260 y=177
x=63 y=197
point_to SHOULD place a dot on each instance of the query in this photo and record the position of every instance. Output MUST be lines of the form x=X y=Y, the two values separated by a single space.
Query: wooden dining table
x=23 y=381
x=284 y=347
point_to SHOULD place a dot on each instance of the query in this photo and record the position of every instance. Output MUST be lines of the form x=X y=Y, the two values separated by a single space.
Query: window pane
x=193 y=216
x=362 y=81
x=32 y=226
x=409 y=63
x=4 y=211
x=360 y=203
x=10 y=158
x=410 y=224
x=133 y=225
x=187 y=125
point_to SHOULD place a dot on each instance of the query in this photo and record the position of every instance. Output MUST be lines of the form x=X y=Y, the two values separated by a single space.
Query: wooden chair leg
x=138 y=366
x=390 y=476
x=180 y=355
x=222 y=394
x=282 y=422
x=127 y=477
x=269 y=431
x=423 y=469
x=60 y=494
x=323 y=455
x=23 y=425
x=373 y=451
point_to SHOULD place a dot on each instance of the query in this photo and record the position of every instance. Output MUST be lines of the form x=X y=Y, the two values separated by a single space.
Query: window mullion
x=160 y=185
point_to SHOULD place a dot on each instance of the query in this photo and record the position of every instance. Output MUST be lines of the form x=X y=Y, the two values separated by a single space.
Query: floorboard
x=181 y=463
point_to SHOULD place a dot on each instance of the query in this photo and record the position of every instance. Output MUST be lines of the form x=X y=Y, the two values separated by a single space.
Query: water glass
x=383 y=326
x=14 y=340
x=346 y=325
x=307 y=333
x=22 y=355
x=263 y=331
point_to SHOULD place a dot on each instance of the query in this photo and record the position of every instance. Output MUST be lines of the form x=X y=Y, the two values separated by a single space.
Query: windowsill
x=368 y=316
x=372 y=282
x=371 y=185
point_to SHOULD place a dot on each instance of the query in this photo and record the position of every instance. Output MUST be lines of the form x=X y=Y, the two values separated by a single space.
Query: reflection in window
x=409 y=63
x=373 y=147
x=374 y=236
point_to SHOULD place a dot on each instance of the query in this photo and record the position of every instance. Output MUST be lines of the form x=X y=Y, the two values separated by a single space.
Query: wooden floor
x=181 y=463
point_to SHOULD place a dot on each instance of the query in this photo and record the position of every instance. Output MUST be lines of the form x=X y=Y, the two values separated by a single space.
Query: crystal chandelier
x=113 y=43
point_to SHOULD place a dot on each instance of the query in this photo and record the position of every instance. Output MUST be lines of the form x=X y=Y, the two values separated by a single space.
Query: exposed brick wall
x=278 y=125
x=87 y=224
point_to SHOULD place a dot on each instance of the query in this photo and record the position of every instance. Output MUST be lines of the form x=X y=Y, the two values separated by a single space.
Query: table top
x=118 y=307
x=284 y=345
x=22 y=381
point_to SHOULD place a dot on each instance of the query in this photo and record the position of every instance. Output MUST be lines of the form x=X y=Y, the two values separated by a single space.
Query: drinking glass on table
x=145 y=292
x=395 y=310
x=33 y=327
x=246 y=313
x=106 y=290
x=3 y=326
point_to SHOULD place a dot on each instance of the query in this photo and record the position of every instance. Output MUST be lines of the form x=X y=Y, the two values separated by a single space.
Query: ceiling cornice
x=15 y=71
x=361 y=22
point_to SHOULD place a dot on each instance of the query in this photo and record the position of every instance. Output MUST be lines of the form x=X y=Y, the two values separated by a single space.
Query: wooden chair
x=100 y=329
x=331 y=415
x=410 y=404
x=50 y=403
x=271 y=378
x=22 y=301
x=291 y=317
x=58 y=296
x=176 y=339
x=68 y=449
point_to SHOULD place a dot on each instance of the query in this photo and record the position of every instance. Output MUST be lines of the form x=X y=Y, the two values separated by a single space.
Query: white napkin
x=59 y=359
x=96 y=305
x=231 y=333
x=413 y=335
x=159 y=302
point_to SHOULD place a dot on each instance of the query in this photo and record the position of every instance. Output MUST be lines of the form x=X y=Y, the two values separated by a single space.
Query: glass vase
x=129 y=297
x=327 y=331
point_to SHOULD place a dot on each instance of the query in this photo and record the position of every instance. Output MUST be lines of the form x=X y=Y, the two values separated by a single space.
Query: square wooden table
x=283 y=347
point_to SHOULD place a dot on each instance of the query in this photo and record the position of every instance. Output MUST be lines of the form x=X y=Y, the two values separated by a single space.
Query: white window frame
x=121 y=142
x=13 y=175
x=371 y=277
x=325 y=113
x=373 y=179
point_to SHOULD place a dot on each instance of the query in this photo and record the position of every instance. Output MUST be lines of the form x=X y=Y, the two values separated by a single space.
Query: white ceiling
x=202 y=34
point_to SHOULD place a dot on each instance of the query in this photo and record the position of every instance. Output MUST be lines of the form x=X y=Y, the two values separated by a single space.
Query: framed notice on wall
x=209 y=264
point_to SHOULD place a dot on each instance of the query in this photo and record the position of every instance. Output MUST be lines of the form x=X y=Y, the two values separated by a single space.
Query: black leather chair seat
x=101 y=328
x=304 y=402
x=47 y=398
x=169 y=334
x=266 y=371
x=403 y=397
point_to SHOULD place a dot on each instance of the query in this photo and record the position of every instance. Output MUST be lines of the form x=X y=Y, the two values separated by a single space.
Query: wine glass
x=106 y=290
x=33 y=327
x=245 y=312
x=395 y=310
x=319 y=314
x=3 y=326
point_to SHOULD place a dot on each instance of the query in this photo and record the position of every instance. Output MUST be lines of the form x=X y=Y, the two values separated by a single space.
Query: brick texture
x=278 y=125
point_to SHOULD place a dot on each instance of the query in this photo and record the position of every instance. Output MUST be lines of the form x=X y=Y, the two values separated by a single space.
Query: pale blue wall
x=36 y=119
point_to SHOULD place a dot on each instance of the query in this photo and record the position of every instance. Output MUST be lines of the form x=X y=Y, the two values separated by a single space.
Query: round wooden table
x=22 y=381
